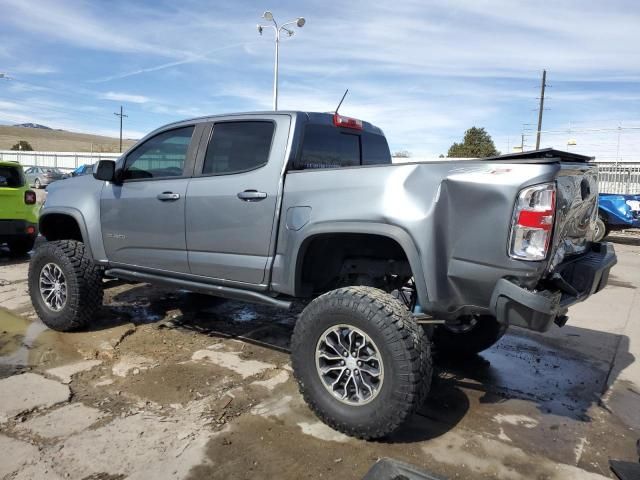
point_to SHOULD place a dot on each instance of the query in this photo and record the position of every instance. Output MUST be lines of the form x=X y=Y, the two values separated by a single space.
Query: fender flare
x=76 y=215
x=301 y=242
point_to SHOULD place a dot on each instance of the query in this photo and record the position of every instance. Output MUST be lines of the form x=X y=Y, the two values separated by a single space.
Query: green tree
x=23 y=145
x=477 y=143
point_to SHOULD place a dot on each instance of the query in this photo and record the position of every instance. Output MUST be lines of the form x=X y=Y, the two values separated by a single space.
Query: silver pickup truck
x=393 y=260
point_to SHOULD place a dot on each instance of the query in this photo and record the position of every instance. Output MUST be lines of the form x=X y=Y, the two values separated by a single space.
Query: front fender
x=615 y=211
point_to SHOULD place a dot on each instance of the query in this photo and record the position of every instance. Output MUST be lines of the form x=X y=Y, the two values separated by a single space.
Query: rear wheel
x=65 y=285
x=362 y=363
x=468 y=336
x=21 y=246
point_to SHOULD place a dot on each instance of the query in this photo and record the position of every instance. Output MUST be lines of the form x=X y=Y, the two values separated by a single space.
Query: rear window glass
x=10 y=177
x=325 y=146
x=238 y=147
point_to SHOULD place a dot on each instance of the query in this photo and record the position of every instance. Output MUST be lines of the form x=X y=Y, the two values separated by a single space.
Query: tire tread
x=406 y=340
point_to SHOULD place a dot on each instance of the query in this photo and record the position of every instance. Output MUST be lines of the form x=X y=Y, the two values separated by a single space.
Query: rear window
x=10 y=177
x=326 y=146
x=237 y=147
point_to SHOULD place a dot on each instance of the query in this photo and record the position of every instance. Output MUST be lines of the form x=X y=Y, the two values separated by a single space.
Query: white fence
x=62 y=160
x=623 y=178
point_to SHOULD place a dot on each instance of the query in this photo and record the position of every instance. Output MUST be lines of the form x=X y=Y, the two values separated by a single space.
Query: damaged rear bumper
x=572 y=282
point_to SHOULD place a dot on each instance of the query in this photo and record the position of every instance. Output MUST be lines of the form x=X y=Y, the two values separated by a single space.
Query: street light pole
x=268 y=16
x=275 y=72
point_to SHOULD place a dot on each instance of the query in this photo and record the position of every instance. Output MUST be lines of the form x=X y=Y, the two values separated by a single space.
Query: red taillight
x=347 y=122
x=30 y=197
x=30 y=230
x=532 y=226
x=543 y=220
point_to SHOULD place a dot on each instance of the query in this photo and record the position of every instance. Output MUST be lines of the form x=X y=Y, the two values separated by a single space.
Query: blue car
x=616 y=212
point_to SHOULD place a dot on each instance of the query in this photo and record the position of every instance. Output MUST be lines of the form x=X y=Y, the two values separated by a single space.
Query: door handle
x=252 y=196
x=168 y=196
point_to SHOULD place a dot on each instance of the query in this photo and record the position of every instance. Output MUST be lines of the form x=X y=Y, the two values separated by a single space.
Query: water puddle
x=25 y=343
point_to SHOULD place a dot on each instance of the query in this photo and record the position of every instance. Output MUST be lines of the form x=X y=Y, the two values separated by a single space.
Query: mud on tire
x=83 y=284
x=403 y=348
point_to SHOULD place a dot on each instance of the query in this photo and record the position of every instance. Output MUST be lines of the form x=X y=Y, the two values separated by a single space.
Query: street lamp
x=268 y=16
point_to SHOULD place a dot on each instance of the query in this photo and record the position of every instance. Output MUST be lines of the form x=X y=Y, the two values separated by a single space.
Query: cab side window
x=162 y=156
x=237 y=147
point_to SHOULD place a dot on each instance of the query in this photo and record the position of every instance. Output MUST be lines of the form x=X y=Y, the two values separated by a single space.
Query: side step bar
x=199 y=287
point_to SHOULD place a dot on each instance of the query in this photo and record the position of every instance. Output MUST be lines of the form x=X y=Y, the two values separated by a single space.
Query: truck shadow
x=556 y=372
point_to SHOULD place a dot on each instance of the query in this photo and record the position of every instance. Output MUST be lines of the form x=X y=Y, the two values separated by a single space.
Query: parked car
x=616 y=212
x=86 y=169
x=390 y=258
x=18 y=209
x=40 y=177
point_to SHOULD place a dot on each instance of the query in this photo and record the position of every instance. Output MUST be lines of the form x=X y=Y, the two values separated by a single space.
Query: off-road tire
x=84 y=284
x=404 y=349
x=452 y=345
x=21 y=246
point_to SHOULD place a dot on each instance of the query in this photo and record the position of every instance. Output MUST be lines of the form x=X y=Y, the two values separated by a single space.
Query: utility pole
x=544 y=85
x=120 y=115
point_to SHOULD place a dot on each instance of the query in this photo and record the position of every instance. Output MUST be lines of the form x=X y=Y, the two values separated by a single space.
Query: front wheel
x=65 y=285
x=362 y=363
x=468 y=336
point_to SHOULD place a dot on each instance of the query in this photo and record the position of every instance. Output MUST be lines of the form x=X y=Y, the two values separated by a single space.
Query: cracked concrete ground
x=166 y=384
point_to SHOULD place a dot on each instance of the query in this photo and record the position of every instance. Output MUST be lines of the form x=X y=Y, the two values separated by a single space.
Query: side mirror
x=106 y=171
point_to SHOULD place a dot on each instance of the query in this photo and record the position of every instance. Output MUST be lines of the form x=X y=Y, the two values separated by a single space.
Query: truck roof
x=322 y=118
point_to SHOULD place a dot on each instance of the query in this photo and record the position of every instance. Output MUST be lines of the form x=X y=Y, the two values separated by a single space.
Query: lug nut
x=359 y=363
x=342 y=362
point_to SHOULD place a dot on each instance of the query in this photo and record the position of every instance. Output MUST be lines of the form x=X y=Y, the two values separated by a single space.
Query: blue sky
x=424 y=71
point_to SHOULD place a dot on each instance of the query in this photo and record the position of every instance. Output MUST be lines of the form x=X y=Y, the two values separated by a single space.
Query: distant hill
x=46 y=139
x=33 y=125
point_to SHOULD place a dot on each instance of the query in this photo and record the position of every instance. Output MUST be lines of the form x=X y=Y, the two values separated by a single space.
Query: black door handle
x=252 y=196
x=168 y=196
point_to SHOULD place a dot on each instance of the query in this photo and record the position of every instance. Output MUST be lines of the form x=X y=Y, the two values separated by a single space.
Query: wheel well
x=58 y=226
x=603 y=215
x=330 y=261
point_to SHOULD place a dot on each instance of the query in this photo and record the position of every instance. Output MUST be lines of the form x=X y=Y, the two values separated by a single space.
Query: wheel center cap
x=351 y=363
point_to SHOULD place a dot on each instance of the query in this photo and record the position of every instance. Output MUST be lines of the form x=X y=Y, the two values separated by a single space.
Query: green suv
x=18 y=210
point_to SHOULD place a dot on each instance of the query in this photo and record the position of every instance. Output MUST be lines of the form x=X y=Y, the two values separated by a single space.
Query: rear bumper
x=10 y=229
x=572 y=282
